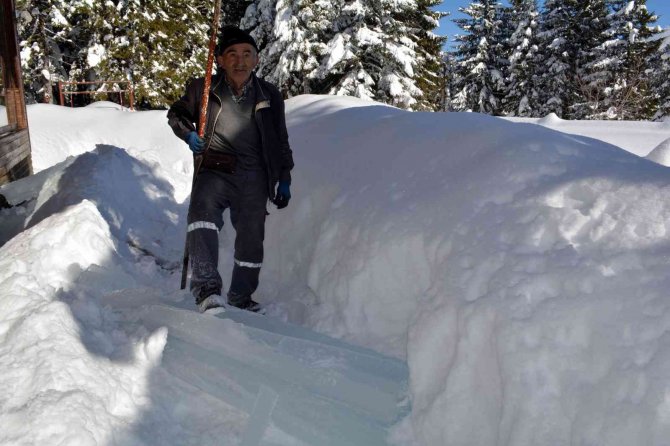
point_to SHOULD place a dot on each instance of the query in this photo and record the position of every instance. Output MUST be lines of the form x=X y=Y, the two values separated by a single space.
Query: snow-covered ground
x=638 y=137
x=488 y=282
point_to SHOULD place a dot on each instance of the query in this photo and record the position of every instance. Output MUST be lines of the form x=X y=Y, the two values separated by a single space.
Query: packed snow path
x=314 y=388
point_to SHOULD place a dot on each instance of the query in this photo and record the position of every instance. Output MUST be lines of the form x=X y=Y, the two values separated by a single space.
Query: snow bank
x=520 y=270
x=47 y=332
x=137 y=204
x=661 y=154
x=107 y=104
x=61 y=132
x=638 y=137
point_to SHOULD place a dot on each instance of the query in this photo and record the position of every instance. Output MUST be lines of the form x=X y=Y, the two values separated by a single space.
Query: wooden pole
x=202 y=122
x=204 y=101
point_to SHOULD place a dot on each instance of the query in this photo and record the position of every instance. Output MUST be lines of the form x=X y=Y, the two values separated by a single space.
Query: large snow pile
x=55 y=390
x=520 y=272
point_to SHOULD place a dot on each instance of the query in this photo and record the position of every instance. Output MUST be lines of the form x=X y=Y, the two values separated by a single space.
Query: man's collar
x=260 y=91
x=244 y=86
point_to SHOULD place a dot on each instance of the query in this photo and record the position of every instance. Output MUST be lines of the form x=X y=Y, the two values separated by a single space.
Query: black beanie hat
x=231 y=35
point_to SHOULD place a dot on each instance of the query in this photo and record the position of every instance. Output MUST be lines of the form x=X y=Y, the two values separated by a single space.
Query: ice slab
x=327 y=392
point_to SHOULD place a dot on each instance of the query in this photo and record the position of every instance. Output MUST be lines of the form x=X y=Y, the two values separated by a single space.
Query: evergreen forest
x=579 y=59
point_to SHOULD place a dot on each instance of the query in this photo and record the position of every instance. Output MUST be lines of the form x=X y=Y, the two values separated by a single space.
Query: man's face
x=238 y=61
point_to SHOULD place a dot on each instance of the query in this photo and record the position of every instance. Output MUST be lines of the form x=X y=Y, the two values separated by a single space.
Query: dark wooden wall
x=15 y=158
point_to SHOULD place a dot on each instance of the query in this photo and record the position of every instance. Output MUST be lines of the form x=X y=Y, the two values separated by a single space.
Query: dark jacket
x=184 y=115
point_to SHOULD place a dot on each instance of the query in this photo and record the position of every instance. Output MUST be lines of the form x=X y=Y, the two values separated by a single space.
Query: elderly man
x=247 y=160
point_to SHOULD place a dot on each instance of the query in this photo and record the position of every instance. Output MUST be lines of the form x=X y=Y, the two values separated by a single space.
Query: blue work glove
x=195 y=143
x=283 y=194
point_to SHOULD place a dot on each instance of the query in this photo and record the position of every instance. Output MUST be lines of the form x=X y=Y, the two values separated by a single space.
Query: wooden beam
x=7 y=129
x=15 y=147
x=15 y=157
x=11 y=64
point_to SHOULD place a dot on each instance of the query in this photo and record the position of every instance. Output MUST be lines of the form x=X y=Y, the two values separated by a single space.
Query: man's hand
x=283 y=194
x=195 y=143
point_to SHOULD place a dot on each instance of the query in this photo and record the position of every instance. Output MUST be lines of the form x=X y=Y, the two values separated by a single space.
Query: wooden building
x=15 y=158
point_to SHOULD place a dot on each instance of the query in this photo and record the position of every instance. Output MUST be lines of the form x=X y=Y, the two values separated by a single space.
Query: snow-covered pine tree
x=661 y=68
x=478 y=65
x=53 y=37
x=362 y=48
x=592 y=22
x=157 y=45
x=591 y=61
x=115 y=53
x=571 y=32
x=447 y=81
x=288 y=33
x=503 y=40
x=626 y=61
x=555 y=72
x=177 y=46
x=370 y=53
x=429 y=67
x=521 y=91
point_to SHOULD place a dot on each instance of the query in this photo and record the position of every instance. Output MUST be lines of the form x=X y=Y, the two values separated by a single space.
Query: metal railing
x=129 y=89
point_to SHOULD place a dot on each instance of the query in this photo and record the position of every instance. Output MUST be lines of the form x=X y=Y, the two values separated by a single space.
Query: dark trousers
x=245 y=194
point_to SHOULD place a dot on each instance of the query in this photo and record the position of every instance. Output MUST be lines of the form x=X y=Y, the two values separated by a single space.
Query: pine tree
x=592 y=22
x=447 y=81
x=480 y=80
x=360 y=48
x=177 y=36
x=503 y=49
x=155 y=45
x=429 y=71
x=521 y=92
x=287 y=32
x=232 y=11
x=557 y=70
x=661 y=68
x=53 y=36
x=625 y=62
x=571 y=32
x=370 y=53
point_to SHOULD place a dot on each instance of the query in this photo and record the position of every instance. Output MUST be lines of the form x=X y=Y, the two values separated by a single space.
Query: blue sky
x=447 y=27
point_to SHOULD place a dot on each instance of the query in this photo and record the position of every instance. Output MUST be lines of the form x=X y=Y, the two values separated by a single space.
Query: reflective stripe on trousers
x=248 y=264
x=201 y=225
